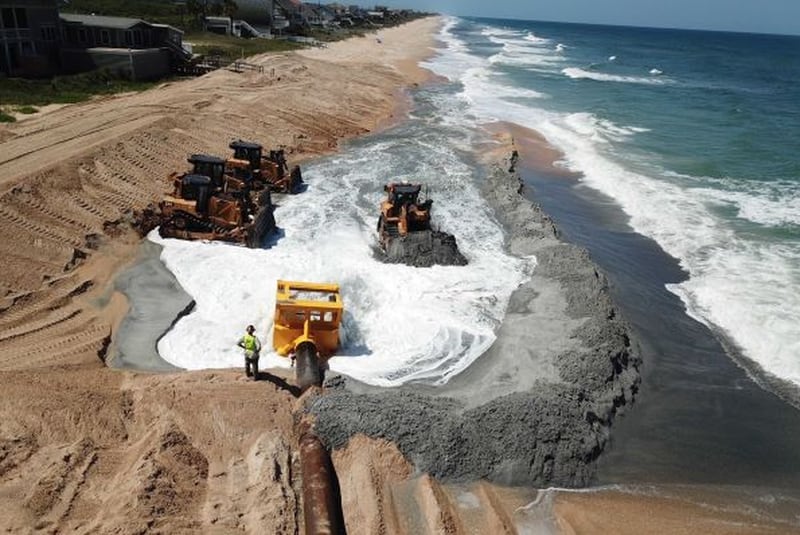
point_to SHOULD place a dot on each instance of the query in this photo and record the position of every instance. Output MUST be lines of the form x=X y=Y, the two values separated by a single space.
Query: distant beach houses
x=36 y=40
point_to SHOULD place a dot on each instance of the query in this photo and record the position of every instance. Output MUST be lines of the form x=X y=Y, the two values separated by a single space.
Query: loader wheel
x=307 y=370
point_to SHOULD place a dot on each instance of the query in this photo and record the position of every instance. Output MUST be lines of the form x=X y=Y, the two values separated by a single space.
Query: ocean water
x=694 y=135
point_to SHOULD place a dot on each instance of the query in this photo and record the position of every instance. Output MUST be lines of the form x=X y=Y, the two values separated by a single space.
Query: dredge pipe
x=322 y=504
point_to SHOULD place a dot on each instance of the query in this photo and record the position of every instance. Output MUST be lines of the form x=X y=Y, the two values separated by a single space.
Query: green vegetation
x=185 y=16
x=150 y=10
x=6 y=118
x=226 y=46
x=64 y=89
x=27 y=110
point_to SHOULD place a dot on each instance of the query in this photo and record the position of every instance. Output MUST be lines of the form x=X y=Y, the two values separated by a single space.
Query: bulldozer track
x=55 y=317
x=33 y=269
x=28 y=224
x=93 y=210
x=74 y=340
x=38 y=300
x=44 y=208
x=77 y=335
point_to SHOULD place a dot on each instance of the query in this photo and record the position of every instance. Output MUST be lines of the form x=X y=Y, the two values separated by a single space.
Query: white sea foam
x=771 y=205
x=491 y=31
x=744 y=286
x=739 y=285
x=560 y=47
x=402 y=323
x=535 y=39
x=518 y=53
x=656 y=72
x=577 y=73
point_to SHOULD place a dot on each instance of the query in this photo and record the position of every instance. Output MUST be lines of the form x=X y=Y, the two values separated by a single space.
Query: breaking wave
x=577 y=73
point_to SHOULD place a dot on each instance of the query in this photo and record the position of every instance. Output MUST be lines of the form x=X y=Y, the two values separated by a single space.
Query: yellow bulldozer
x=265 y=170
x=207 y=204
x=306 y=326
x=402 y=212
x=405 y=232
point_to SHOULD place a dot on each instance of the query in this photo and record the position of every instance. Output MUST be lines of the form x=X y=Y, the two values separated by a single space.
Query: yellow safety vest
x=249 y=342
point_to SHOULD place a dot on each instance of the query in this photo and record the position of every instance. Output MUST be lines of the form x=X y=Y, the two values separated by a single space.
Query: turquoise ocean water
x=694 y=135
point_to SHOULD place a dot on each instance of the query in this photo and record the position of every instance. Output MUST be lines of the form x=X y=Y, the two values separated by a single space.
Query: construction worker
x=252 y=349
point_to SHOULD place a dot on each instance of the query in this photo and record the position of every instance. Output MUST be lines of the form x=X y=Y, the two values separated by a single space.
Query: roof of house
x=119 y=23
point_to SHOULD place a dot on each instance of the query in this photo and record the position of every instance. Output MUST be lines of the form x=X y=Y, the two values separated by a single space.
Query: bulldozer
x=207 y=204
x=402 y=212
x=265 y=170
x=405 y=233
x=306 y=326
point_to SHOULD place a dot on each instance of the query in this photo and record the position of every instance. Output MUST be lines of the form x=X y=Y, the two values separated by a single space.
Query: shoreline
x=690 y=380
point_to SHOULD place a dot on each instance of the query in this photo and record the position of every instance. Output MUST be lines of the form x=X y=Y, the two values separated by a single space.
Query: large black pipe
x=322 y=503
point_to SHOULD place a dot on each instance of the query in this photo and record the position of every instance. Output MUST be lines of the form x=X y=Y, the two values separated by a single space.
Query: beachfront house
x=132 y=47
x=290 y=11
x=29 y=37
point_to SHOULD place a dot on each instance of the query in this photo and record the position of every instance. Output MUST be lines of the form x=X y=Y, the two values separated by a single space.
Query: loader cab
x=278 y=157
x=248 y=151
x=208 y=166
x=403 y=194
x=197 y=188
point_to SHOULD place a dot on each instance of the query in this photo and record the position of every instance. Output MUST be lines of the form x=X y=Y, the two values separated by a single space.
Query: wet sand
x=155 y=302
x=698 y=419
x=677 y=510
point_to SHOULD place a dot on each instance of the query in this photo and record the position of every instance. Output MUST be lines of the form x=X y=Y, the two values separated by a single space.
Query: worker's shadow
x=280 y=382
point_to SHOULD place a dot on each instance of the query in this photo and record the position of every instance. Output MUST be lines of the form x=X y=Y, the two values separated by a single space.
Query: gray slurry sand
x=538 y=406
x=156 y=302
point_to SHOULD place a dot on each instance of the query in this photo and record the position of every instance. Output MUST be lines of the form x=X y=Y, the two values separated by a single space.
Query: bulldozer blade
x=261 y=227
x=423 y=249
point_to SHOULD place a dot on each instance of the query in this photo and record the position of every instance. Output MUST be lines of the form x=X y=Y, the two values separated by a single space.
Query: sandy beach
x=84 y=448
x=89 y=448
